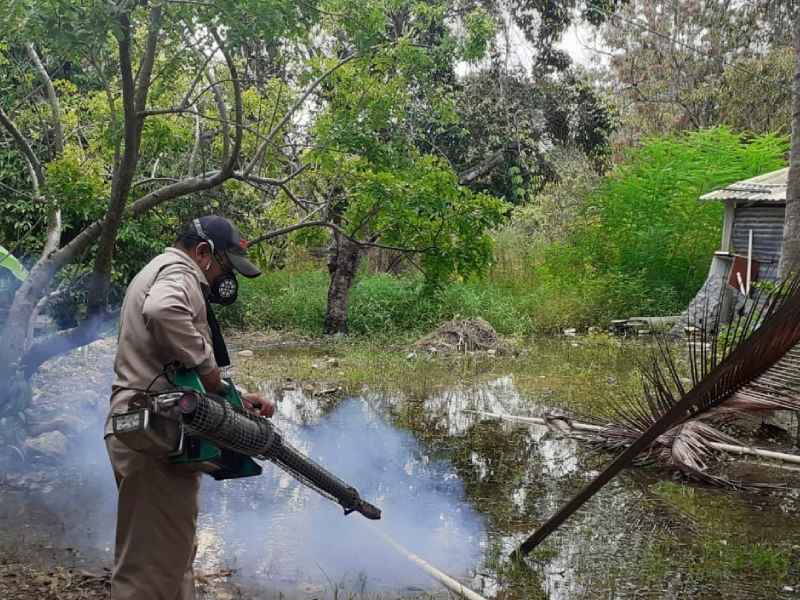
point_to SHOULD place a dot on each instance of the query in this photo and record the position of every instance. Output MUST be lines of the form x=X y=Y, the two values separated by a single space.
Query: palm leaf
x=748 y=351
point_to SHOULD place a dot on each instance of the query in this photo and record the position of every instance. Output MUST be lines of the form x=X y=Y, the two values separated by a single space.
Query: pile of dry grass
x=465 y=335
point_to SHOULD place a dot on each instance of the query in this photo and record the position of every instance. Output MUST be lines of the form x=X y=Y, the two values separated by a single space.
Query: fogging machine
x=215 y=434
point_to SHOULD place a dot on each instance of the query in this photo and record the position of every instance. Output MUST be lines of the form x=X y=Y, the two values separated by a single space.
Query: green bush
x=645 y=221
x=280 y=300
x=388 y=305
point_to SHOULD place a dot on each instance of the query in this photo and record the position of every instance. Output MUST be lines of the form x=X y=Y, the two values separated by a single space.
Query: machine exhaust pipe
x=233 y=428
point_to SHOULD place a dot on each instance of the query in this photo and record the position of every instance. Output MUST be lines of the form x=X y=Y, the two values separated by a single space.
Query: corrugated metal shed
x=766 y=223
x=770 y=187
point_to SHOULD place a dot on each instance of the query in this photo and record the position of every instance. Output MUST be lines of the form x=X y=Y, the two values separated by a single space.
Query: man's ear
x=204 y=249
x=202 y=253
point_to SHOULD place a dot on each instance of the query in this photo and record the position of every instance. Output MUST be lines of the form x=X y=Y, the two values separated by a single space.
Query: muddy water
x=458 y=488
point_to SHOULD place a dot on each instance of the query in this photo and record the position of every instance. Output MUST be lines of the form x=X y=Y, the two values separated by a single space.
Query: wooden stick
x=729 y=448
x=450 y=583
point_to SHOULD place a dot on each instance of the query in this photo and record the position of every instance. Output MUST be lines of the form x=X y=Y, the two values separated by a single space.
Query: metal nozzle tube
x=236 y=429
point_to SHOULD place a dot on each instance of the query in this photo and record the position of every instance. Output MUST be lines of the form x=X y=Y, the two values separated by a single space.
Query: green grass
x=520 y=297
x=381 y=306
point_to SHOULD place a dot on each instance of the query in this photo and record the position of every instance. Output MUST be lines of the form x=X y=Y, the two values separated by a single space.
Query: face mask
x=224 y=289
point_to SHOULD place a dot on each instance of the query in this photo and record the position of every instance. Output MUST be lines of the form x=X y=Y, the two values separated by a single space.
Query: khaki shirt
x=163 y=318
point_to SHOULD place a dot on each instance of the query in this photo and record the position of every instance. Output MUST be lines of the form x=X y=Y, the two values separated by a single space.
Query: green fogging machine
x=217 y=435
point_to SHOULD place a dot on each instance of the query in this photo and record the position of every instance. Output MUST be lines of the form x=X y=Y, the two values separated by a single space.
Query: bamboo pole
x=729 y=448
x=450 y=583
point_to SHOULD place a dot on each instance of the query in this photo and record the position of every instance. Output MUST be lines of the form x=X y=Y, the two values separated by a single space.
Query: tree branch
x=148 y=60
x=63 y=341
x=481 y=168
x=53 y=234
x=300 y=101
x=237 y=106
x=198 y=137
x=50 y=90
x=134 y=100
x=337 y=229
x=223 y=113
x=24 y=147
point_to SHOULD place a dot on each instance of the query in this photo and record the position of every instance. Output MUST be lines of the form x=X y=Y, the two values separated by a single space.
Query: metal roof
x=770 y=187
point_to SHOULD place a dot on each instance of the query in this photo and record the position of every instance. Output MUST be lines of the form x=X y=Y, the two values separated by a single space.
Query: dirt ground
x=21 y=582
x=24 y=582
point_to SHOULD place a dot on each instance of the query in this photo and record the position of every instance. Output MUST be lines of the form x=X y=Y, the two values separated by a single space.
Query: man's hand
x=211 y=381
x=258 y=404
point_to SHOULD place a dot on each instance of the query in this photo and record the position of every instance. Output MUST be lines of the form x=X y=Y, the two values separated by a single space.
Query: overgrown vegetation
x=639 y=243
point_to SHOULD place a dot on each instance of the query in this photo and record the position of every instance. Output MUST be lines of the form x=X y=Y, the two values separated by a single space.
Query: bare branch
x=51 y=97
x=53 y=234
x=198 y=76
x=43 y=301
x=24 y=147
x=202 y=182
x=337 y=229
x=134 y=100
x=198 y=3
x=237 y=106
x=153 y=180
x=481 y=168
x=100 y=68
x=295 y=227
x=63 y=341
x=34 y=181
x=198 y=136
x=300 y=101
x=241 y=176
x=223 y=113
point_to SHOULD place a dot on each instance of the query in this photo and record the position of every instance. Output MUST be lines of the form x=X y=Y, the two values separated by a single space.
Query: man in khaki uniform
x=164 y=318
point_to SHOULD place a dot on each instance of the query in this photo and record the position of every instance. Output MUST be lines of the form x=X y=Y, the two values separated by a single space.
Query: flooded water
x=458 y=488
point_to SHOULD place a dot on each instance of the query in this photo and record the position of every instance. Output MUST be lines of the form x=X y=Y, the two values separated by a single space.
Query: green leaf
x=8 y=261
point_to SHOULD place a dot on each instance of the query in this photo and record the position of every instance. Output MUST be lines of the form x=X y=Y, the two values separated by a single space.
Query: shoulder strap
x=218 y=342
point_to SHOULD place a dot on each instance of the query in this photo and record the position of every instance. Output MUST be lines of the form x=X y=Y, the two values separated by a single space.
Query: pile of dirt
x=466 y=335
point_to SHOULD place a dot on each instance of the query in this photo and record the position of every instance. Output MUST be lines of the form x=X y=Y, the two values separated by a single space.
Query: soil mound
x=465 y=335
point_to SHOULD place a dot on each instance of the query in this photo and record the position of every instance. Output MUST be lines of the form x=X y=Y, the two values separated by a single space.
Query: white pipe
x=749 y=261
x=792 y=458
x=729 y=448
x=742 y=287
x=537 y=420
x=446 y=580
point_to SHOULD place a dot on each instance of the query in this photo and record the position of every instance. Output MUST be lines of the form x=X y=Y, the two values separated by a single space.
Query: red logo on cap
x=243 y=243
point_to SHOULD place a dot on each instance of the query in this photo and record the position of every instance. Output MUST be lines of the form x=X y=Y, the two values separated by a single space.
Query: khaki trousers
x=156 y=526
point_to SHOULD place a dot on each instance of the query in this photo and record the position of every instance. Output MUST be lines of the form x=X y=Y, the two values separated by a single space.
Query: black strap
x=218 y=342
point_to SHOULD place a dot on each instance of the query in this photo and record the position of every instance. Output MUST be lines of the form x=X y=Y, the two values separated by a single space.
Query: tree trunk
x=134 y=100
x=16 y=326
x=343 y=254
x=790 y=251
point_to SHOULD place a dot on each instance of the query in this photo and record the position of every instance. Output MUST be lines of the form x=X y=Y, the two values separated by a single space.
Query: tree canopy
x=122 y=121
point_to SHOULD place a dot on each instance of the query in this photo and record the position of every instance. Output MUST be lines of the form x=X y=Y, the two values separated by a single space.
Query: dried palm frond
x=688 y=446
x=778 y=388
x=722 y=365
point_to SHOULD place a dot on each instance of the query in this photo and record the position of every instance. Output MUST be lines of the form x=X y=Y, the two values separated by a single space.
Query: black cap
x=227 y=238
